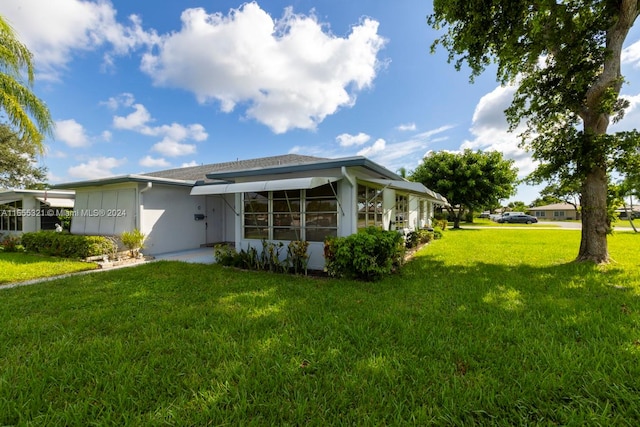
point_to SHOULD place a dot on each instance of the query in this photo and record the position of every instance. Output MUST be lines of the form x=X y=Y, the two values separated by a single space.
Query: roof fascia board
x=306 y=167
x=124 y=179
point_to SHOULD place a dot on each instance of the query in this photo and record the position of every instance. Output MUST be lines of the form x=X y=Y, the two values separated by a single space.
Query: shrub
x=134 y=241
x=437 y=234
x=367 y=255
x=66 y=245
x=224 y=255
x=11 y=243
x=297 y=257
x=268 y=259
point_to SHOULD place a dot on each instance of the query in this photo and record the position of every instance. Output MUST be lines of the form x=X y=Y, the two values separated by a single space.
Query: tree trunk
x=456 y=216
x=595 y=222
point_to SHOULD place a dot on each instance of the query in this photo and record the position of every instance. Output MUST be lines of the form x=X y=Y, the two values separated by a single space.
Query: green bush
x=11 y=243
x=437 y=234
x=266 y=260
x=367 y=255
x=66 y=245
x=134 y=241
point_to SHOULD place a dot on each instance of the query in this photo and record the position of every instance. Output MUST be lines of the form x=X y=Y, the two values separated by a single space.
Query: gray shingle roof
x=195 y=173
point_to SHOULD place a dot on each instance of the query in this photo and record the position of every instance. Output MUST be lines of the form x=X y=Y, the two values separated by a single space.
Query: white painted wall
x=167 y=219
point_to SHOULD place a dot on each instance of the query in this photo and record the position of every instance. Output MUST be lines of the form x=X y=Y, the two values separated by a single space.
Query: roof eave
x=124 y=179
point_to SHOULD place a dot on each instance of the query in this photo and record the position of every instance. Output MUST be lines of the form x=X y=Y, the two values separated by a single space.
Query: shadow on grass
x=171 y=342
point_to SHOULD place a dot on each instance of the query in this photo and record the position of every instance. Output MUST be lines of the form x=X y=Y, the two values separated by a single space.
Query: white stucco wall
x=167 y=219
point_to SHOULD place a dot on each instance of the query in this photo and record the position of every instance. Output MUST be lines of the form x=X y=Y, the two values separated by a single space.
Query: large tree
x=18 y=162
x=471 y=180
x=564 y=57
x=23 y=110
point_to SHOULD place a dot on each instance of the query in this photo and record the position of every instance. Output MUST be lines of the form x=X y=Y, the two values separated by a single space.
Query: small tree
x=134 y=241
x=469 y=180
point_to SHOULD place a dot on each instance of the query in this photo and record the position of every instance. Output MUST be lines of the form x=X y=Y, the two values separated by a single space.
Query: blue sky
x=138 y=86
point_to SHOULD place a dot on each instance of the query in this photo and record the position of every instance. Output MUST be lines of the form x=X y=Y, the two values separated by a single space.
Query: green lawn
x=491 y=326
x=18 y=267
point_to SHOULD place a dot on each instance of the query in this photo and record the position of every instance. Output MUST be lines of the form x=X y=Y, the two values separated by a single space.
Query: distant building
x=556 y=212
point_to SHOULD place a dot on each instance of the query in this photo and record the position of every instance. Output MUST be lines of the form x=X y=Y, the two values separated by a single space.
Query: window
x=369 y=206
x=402 y=212
x=558 y=214
x=310 y=215
x=10 y=216
x=540 y=214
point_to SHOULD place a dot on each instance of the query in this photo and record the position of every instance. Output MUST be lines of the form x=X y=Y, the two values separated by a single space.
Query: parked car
x=518 y=218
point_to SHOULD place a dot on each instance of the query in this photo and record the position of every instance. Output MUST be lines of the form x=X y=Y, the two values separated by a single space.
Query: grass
x=482 y=327
x=18 y=267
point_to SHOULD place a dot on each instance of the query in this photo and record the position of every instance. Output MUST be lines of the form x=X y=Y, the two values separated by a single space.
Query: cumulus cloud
x=55 y=30
x=71 y=133
x=189 y=164
x=99 y=167
x=490 y=129
x=291 y=72
x=151 y=162
x=173 y=135
x=377 y=147
x=631 y=54
x=347 y=140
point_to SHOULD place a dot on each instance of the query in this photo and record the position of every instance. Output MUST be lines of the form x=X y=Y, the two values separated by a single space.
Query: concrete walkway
x=199 y=256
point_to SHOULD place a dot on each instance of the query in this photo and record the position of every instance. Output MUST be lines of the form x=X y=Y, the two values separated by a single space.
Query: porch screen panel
x=286 y=215
x=9 y=218
x=402 y=211
x=321 y=213
x=256 y=215
x=369 y=206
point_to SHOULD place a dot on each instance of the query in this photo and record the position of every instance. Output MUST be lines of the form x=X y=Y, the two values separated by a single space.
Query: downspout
x=140 y=203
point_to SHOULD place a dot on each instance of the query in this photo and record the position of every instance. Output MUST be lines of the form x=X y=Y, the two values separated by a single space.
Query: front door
x=215 y=219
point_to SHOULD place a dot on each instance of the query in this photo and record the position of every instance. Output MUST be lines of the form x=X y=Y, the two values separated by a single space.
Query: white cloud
x=151 y=162
x=377 y=147
x=173 y=135
x=136 y=121
x=99 y=167
x=631 y=54
x=292 y=72
x=55 y=30
x=71 y=133
x=406 y=127
x=171 y=148
x=347 y=140
x=189 y=164
x=123 y=100
x=490 y=130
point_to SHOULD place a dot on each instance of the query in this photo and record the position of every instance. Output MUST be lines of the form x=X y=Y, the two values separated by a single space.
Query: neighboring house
x=279 y=199
x=634 y=211
x=23 y=211
x=555 y=212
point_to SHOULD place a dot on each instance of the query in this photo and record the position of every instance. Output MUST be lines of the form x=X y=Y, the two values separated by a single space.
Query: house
x=555 y=212
x=279 y=199
x=24 y=211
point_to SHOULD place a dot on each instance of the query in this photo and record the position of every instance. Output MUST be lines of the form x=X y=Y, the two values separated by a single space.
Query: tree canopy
x=471 y=180
x=564 y=58
x=24 y=111
x=18 y=163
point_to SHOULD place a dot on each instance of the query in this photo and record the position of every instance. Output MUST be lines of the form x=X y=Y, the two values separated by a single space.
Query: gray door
x=215 y=219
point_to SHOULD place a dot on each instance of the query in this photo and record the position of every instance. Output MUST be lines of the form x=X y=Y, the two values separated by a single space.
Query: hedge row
x=67 y=245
